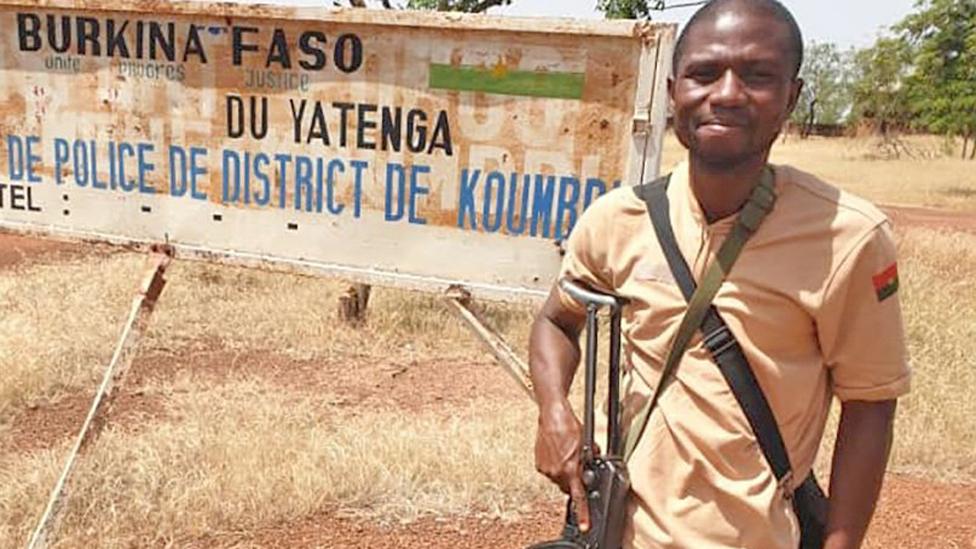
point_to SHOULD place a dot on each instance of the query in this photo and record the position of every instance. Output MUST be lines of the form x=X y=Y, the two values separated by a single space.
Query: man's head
x=734 y=79
x=769 y=7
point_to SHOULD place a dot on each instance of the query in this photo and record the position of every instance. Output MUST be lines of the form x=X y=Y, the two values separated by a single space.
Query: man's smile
x=719 y=127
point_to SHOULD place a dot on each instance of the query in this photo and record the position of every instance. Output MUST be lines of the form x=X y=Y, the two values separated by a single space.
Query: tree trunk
x=353 y=304
x=965 y=144
x=811 y=117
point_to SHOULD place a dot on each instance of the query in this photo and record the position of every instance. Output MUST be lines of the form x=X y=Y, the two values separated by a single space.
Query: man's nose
x=729 y=90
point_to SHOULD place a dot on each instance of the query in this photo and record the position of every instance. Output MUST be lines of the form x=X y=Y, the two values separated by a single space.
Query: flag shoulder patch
x=886 y=282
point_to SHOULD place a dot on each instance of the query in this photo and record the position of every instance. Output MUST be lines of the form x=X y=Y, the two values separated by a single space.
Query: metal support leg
x=138 y=320
x=460 y=301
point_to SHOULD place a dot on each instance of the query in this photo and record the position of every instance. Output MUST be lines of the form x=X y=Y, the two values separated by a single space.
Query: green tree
x=878 y=91
x=628 y=9
x=826 y=96
x=468 y=6
x=941 y=87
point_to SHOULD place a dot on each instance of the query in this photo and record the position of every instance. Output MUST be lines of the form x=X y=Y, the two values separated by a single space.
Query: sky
x=844 y=22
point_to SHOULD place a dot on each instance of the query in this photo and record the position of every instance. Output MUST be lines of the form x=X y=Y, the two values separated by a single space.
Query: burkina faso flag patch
x=886 y=282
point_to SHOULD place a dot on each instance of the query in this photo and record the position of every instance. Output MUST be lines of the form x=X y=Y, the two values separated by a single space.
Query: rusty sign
x=413 y=149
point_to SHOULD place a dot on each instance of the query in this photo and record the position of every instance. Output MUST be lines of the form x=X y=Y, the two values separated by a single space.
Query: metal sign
x=420 y=150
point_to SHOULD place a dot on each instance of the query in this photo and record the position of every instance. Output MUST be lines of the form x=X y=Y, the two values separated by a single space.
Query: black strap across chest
x=719 y=340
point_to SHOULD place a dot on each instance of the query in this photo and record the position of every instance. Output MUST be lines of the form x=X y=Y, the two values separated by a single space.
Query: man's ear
x=671 y=90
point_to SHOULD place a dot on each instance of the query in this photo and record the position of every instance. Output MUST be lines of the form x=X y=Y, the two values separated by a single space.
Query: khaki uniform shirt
x=812 y=302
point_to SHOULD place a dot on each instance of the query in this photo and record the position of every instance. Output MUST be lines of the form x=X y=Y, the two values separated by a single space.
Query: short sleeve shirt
x=813 y=302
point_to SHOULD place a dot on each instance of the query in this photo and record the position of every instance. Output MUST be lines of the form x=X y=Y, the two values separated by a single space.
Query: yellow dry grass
x=239 y=455
x=234 y=455
x=296 y=316
x=936 y=431
x=58 y=325
x=60 y=322
x=933 y=179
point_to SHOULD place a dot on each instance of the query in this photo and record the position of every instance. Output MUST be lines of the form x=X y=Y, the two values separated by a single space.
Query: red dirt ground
x=355 y=384
x=912 y=513
x=15 y=249
x=910 y=216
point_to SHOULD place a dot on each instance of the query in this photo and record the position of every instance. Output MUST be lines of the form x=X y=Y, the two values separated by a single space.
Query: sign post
x=125 y=350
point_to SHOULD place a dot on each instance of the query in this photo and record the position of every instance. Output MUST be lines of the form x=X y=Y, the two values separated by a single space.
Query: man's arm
x=554 y=354
x=860 y=458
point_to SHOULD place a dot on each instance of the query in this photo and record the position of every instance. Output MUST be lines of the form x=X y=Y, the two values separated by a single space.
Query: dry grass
x=59 y=325
x=238 y=456
x=936 y=428
x=296 y=315
x=244 y=453
x=936 y=180
x=60 y=322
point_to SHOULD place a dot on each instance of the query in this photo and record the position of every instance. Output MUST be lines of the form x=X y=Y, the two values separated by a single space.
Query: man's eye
x=759 y=77
x=703 y=75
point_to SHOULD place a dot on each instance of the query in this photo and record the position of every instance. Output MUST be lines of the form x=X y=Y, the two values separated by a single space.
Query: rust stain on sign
x=454 y=149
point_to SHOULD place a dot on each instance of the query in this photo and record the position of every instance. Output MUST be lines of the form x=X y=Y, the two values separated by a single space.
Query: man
x=812 y=301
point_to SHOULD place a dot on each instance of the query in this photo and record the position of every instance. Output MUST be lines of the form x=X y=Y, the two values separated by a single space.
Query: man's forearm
x=554 y=351
x=857 y=472
x=552 y=362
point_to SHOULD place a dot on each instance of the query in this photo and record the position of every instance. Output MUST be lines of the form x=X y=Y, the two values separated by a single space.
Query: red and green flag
x=886 y=282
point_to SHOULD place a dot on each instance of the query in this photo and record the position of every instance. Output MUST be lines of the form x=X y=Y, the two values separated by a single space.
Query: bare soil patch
x=329 y=530
x=930 y=218
x=44 y=426
x=359 y=383
x=16 y=249
x=912 y=513
x=918 y=513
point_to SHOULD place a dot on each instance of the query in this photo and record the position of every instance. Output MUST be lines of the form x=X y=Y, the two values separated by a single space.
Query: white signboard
x=413 y=149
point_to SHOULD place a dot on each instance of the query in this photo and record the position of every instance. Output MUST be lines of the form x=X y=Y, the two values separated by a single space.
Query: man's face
x=733 y=87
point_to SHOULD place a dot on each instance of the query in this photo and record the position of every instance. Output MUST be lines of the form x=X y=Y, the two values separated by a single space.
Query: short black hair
x=772 y=8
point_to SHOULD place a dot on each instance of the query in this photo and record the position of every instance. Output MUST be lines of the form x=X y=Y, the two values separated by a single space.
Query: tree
x=628 y=9
x=467 y=6
x=878 y=92
x=941 y=88
x=826 y=96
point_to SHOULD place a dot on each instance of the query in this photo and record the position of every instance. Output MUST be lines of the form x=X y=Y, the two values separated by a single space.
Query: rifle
x=605 y=477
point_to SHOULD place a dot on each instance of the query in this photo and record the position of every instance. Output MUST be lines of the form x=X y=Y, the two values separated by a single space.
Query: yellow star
x=499 y=70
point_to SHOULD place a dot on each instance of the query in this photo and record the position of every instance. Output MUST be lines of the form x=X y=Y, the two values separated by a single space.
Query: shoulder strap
x=718 y=339
x=656 y=198
x=700 y=298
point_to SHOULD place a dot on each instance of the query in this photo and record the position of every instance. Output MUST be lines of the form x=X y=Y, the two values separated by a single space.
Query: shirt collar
x=685 y=206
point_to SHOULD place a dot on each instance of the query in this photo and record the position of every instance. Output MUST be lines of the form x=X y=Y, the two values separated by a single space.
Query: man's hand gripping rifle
x=605 y=476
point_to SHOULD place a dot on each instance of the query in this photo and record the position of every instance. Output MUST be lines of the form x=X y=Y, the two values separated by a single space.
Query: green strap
x=748 y=220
